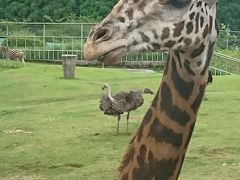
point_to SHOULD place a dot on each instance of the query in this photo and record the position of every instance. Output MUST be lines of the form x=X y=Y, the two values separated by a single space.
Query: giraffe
x=188 y=30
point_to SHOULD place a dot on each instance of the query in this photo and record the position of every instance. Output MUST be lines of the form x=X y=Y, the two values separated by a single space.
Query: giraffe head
x=135 y=26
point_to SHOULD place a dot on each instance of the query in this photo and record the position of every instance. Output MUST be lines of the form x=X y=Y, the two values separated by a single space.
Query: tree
x=58 y=11
x=228 y=12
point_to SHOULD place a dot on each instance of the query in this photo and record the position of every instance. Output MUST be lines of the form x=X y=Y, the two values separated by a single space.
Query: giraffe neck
x=185 y=28
x=159 y=147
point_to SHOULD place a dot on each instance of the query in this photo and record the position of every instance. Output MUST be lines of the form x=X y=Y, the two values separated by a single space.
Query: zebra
x=14 y=54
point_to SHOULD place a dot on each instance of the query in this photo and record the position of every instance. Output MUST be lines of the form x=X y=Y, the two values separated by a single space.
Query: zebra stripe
x=14 y=54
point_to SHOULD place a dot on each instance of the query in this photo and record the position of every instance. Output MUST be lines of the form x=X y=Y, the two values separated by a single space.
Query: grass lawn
x=66 y=136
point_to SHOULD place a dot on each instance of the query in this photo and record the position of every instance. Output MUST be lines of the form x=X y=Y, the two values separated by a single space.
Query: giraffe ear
x=210 y=2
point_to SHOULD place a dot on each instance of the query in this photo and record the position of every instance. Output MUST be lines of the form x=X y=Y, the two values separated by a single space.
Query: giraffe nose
x=101 y=34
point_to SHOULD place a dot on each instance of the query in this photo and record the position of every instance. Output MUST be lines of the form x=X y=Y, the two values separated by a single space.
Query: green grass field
x=65 y=135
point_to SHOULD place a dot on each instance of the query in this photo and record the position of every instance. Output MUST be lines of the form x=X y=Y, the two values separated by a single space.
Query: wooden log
x=69 y=64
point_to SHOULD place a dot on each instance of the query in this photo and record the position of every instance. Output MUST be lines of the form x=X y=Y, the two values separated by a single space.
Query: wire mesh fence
x=48 y=41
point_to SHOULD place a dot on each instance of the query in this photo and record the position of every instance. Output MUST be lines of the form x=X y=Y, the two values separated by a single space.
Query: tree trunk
x=69 y=63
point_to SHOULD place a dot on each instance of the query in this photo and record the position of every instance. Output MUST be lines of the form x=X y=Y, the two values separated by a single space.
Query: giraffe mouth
x=112 y=56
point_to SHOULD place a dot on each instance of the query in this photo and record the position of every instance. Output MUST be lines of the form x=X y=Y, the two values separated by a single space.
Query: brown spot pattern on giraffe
x=189 y=27
x=144 y=37
x=165 y=33
x=199 y=63
x=163 y=134
x=190 y=135
x=188 y=68
x=169 y=44
x=155 y=34
x=178 y=29
x=141 y=6
x=198 y=100
x=177 y=54
x=172 y=111
x=184 y=88
x=187 y=41
x=129 y=13
x=158 y=170
x=156 y=46
x=128 y=156
x=198 y=51
x=210 y=24
x=209 y=55
x=191 y=16
x=145 y=121
x=197 y=41
x=180 y=40
x=199 y=4
x=205 y=31
x=166 y=66
x=201 y=21
x=197 y=23
x=191 y=7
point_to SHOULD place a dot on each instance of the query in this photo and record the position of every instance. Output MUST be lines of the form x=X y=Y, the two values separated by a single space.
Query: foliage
x=231 y=53
x=72 y=139
x=9 y=64
x=22 y=42
x=228 y=39
x=42 y=10
x=228 y=12
x=73 y=10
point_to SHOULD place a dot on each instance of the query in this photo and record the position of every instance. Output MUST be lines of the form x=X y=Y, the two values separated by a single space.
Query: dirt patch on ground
x=17 y=131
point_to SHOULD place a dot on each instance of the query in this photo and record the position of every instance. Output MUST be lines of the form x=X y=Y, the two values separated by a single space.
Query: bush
x=22 y=42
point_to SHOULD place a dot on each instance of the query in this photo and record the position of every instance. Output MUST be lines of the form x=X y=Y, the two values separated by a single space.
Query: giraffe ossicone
x=187 y=29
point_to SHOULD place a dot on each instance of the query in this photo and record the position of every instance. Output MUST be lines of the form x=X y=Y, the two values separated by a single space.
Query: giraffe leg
x=119 y=117
x=128 y=121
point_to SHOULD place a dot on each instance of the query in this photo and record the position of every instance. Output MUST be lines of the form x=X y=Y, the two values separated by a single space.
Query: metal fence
x=227 y=64
x=48 y=41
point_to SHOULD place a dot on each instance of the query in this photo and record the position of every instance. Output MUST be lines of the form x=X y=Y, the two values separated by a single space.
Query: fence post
x=7 y=36
x=81 y=41
x=69 y=64
x=44 y=40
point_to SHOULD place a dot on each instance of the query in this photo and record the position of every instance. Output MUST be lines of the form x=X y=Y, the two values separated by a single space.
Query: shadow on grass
x=39 y=166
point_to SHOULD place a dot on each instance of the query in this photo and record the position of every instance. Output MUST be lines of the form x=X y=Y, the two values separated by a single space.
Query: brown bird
x=121 y=102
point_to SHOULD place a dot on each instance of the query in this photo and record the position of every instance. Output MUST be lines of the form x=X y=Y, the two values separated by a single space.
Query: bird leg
x=128 y=120
x=119 y=117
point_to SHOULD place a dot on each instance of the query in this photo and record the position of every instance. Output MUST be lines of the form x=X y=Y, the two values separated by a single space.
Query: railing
x=219 y=72
x=48 y=41
x=227 y=64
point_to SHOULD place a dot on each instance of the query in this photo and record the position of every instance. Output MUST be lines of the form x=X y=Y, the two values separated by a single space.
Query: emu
x=121 y=102
x=13 y=54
